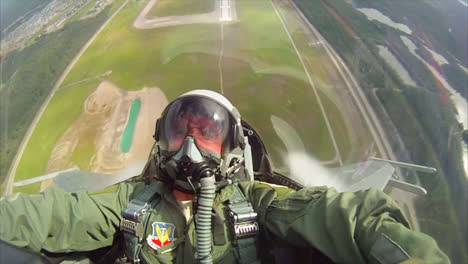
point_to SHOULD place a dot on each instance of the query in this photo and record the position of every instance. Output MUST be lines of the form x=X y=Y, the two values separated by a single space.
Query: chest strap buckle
x=135 y=218
x=132 y=217
x=245 y=224
x=242 y=216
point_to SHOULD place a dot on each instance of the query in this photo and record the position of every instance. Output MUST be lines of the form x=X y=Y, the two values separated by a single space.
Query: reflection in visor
x=207 y=121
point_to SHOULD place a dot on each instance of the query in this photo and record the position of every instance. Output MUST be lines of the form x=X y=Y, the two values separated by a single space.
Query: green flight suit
x=361 y=227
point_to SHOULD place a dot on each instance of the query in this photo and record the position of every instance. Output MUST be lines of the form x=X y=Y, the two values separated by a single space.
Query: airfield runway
x=224 y=11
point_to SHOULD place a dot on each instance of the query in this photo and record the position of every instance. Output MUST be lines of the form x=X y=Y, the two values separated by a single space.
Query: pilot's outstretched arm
x=59 y=221
x=361 y=227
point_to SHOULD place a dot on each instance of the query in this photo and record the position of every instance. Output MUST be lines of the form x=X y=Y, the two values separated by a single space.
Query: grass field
x=28 y=76
x=278 y=77
x=181 y=7
x=63 y=109
x=261 y=72
x=137 y=59
x=316 y=62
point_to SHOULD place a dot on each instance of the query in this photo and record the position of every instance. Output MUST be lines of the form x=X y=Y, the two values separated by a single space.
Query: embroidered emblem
x=163 y=234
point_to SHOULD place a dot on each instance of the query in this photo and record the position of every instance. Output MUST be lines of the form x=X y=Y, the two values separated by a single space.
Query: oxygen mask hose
x=203 y=218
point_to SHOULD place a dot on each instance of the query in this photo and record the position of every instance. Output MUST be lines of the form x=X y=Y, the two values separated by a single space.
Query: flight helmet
x=200 y=134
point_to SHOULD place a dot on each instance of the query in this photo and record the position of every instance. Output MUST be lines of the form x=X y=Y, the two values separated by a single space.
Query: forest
x=28 y=76
x=423 y=116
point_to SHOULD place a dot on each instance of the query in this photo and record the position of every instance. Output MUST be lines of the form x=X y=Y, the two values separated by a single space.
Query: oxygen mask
x=189 y=165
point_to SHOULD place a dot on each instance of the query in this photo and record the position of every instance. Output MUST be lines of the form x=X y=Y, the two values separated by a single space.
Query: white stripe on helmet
x=219 y=98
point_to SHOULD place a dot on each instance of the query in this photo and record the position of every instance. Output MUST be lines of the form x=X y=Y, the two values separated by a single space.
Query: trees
x=28 y=76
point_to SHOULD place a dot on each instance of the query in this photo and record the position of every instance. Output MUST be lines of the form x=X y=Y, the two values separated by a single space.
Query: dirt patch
x=92 y=142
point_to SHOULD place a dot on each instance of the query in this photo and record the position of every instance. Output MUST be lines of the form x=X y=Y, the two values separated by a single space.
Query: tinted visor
x=208 y=122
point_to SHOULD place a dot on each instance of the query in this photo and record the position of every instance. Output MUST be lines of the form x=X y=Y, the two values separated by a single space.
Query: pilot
x=201 y=205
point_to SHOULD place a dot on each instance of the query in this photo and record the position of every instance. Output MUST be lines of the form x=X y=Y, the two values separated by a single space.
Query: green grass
x=28 y=76
x=423 y=121
x=31 y=188
x=50 y=128
x=181 y=7
x=276 y=83
x=134 y=56
x=83 y=153
x=3 y=187
x=316 y=61
x=143 y=57
x=257 y=65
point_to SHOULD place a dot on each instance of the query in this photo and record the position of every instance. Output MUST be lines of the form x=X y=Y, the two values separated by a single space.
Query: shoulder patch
x=162 y=235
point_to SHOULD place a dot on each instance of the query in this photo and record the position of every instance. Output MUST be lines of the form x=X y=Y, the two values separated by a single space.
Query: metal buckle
x=132 y=217
x=245 y=230
x=245 y=224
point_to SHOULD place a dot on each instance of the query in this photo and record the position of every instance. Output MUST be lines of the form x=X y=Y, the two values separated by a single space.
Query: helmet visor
x=208 y=122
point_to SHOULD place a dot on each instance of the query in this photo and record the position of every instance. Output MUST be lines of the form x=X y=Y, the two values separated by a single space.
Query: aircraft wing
x=365 y=175
x=378 y=173
x=76 y=180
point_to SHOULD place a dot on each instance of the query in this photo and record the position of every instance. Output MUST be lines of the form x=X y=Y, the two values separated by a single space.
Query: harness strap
x=135 y=218
x=219 y=237
x=245 y=227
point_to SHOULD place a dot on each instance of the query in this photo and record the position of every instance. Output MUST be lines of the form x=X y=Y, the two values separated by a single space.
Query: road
x=19 y=154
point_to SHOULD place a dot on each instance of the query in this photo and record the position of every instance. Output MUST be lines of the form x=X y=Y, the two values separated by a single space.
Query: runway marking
x=225 y=10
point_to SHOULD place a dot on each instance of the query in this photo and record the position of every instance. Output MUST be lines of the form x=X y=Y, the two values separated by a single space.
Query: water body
x=460 y=102
x=127 y=136
x=11 y=11
x=374 y=14
x=393 y=62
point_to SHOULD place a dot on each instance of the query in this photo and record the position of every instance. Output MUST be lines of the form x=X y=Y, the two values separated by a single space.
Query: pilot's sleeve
x=58 y=221
x=361 y=227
